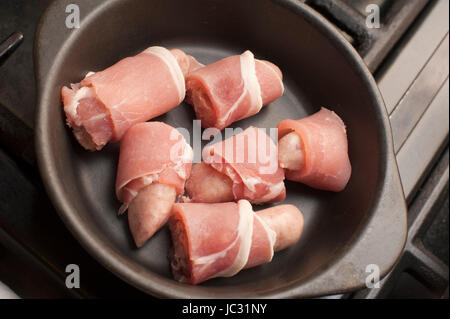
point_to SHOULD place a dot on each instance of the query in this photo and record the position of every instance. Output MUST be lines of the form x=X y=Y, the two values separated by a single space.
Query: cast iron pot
x=344 y=232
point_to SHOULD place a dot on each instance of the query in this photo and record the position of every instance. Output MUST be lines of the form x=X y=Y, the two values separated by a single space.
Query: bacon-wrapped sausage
x=244 y=166
x=314 y=151
x=219 y=240
x=154 y=163
x=232 y=89
x=104 y=105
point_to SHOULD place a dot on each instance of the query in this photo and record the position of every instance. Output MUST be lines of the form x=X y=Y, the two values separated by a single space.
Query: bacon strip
x=104 y=105
x=232 y=89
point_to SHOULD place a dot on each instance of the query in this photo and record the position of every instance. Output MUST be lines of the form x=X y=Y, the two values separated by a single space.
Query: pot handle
x=376 y=251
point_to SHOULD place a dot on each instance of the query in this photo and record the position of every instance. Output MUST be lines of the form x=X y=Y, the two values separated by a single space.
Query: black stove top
x=408 y=54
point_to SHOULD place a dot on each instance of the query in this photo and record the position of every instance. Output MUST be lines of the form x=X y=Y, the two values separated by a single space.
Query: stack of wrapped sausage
x=208 y=207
